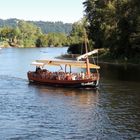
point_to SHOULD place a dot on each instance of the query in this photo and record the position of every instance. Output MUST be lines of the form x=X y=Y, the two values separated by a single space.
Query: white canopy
x=87 y=54
x=59 y=62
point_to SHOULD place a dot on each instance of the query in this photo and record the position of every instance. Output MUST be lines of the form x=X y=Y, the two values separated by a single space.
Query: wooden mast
x=87 y=60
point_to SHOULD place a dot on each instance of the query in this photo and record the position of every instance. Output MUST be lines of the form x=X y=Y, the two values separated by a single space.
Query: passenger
x=73 y=77
x=68 y=76
x=82 y=75
x=38 y=68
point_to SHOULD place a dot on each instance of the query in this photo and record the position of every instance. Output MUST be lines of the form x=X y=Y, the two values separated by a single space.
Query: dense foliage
x=27 y=34
x=115 y=24
x=46 y=27
x=55 y=27
x=76 y=38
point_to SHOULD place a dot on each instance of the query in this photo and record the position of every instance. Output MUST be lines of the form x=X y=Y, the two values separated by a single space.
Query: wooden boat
x=63 y=77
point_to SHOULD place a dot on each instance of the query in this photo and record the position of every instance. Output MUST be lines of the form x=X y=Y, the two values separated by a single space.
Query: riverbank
x=119 y=61
x=105 y=59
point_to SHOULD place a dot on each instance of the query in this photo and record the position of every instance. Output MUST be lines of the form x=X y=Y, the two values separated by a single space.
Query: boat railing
x=60 y=75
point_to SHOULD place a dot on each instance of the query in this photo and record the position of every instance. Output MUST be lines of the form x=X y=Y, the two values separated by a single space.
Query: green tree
x=57 y=39
x=10 y=35
x=20 y=33
x=42 y=41
x=29 y=34
x=114 y=24
x=76 y=37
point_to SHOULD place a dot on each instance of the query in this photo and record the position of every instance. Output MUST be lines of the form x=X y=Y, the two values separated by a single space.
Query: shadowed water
x=38 y=112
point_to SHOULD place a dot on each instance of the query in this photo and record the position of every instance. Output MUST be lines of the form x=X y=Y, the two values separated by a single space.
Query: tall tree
x=76 y=37
x=114 y=24
x=29 y=33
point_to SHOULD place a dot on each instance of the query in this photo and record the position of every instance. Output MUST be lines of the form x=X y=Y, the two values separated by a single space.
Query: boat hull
x=65 y=83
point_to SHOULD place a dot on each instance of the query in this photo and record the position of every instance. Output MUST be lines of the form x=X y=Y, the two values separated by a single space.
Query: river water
x=37 y=112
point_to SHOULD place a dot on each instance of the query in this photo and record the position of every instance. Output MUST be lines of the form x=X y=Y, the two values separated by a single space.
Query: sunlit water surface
x=37 y=112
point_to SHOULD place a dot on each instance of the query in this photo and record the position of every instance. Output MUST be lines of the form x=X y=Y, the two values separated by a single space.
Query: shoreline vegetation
x=20 y=33
x=28 y=35
x=103 y=58
x=111 y=25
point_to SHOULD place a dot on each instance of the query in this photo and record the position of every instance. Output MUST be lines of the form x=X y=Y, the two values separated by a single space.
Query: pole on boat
x=87 y=60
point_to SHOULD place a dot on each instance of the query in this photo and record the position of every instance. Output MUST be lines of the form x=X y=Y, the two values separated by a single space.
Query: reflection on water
x=80 y=96
x=38 y=112
x=121 y=72
x=33 y=112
